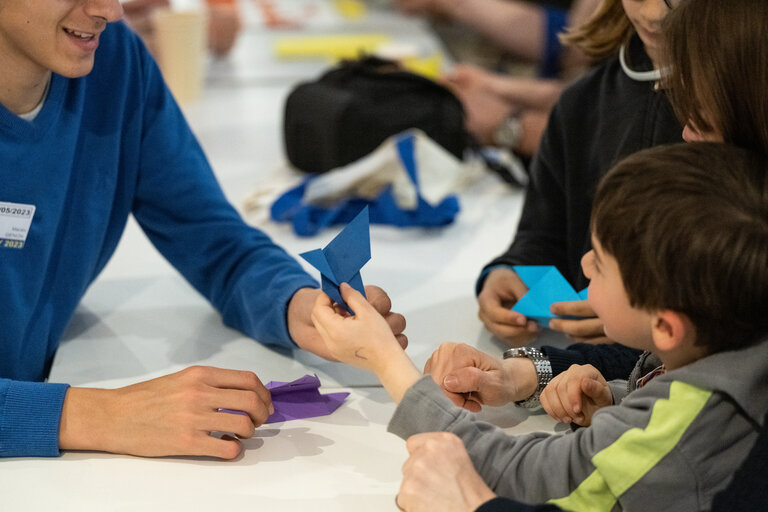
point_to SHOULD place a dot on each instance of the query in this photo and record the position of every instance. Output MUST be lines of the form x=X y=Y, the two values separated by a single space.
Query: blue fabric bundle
x=309 y=219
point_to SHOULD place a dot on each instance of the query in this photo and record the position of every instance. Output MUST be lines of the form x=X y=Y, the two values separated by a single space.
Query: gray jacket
x=670 y=445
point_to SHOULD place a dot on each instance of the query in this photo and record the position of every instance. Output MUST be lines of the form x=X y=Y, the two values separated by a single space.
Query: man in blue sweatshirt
x=88 y=135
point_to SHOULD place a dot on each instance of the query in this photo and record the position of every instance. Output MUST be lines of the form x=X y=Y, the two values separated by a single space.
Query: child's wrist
x=397 y=373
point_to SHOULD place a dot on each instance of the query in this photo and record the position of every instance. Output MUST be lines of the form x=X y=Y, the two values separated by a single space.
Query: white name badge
x=15 y=220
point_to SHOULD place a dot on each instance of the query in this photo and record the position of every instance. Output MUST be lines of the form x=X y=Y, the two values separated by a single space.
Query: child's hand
x=588 y=329
x=362 y=340
x=575 y=395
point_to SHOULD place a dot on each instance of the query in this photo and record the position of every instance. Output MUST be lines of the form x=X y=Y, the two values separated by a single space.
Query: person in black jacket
x=718 y=94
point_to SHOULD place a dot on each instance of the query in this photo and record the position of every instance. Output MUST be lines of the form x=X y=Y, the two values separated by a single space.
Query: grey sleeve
x=532 y=468
x=618 y=389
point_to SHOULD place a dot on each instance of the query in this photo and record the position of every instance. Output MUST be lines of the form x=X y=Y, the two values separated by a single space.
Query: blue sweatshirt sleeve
x=30 y=413
x=182 y=209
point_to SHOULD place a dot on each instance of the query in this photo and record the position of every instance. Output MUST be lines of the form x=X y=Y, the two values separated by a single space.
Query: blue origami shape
x=546 y=285
x=341 y=260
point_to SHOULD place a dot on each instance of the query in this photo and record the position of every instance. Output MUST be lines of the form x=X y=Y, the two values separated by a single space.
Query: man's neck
x=22 y=90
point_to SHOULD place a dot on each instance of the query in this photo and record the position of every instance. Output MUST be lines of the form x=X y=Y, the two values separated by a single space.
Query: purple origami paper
x=302 y=399
x=299 y=399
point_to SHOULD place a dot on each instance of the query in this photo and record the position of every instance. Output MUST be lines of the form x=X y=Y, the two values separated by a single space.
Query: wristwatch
x=543 y=372
x=509 y=133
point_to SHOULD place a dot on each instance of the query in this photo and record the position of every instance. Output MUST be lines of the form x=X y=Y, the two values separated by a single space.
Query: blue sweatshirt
x=104 y=146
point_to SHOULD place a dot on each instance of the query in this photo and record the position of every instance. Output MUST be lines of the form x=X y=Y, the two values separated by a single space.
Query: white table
x=141 y=320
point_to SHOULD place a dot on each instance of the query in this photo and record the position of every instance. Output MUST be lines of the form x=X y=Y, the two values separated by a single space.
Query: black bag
x=350 y=110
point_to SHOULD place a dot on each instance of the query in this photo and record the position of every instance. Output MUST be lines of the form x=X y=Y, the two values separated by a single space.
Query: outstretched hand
x=364 y=340
x=305 y=334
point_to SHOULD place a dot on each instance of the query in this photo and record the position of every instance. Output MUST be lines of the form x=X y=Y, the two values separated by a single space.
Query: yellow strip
x=622 y=464
x=345 y=46
x=350 y=9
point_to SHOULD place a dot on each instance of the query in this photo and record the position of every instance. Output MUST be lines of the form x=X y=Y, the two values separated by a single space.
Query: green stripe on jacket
x=622 y=464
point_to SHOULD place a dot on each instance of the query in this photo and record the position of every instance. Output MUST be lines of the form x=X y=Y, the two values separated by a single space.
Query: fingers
x=553 y=405
x=585 y=329
x=396 y=322
x=235 y=380
x=250 y=403
x=493 y=311
x=562 y=398
x=356 y=301
x=209 y=446
x=323 y=314
x=232 y=422
x=500 y=292
x=464 y=380
x=598 y=391
x=514 y=334
x=378 y=298
x=573 y=308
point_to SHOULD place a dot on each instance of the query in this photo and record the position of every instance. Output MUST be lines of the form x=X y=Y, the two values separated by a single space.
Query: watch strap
x=543 y=372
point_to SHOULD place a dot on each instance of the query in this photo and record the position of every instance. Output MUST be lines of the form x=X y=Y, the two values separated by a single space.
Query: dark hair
x=716 y=56
x=603 y=33
x=688 y=226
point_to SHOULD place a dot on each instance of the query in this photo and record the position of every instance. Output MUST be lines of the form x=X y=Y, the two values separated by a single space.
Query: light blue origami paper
x=546 y=285
x=341 y=260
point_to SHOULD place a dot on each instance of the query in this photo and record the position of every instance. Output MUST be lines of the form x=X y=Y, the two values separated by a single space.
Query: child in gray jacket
x=679 y=269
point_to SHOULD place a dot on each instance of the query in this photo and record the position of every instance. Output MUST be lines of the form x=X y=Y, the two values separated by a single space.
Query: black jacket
x=600 y=119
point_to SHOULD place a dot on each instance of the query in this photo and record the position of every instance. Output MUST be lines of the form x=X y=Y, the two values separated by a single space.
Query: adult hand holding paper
x=546 y=286
x=552 y=302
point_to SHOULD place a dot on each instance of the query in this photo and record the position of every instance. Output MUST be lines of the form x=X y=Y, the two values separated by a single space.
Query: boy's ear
x=669 y=329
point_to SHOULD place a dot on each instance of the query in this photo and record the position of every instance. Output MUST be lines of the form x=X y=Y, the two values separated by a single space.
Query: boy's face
x=37 y=36
x=608 y=299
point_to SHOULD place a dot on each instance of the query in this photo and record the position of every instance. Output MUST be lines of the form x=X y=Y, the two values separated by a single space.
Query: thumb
x=592 y=388
x=463 y=380
x=354 y=299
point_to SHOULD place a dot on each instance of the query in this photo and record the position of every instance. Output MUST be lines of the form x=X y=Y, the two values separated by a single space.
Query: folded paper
x=341 y=260
x=299 y=399
x=546 y=285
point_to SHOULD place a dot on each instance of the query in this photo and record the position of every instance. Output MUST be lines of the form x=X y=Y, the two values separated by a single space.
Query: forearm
x=509 y=465
x=515 y=26
x=398 y=374
x=85 y=420
x=531 y=93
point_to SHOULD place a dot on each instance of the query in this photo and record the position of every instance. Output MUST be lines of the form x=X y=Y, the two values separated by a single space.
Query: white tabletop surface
x=140 y=319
